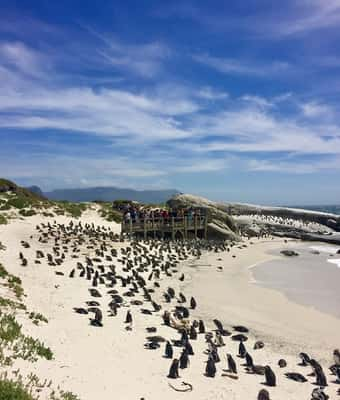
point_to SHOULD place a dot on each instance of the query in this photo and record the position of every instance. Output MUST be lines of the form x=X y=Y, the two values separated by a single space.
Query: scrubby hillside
x=16 y=201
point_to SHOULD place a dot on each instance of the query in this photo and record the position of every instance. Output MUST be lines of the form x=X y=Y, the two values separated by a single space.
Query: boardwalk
x=171 y=228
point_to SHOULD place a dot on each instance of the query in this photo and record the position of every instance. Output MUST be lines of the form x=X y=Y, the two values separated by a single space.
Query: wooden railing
x=165 y=224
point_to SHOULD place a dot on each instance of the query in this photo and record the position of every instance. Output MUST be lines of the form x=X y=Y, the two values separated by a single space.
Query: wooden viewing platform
x=173 y=227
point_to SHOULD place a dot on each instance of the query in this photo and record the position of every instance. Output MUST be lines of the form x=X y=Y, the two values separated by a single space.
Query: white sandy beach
x=110 y=362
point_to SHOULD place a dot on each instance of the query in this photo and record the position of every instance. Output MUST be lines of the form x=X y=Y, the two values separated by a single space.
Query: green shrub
x=69 y=396
x=28 y=348
x=3 y=220
x=10 y=330
x=27 y=213
x=47 y=214
x=36 y=317
x=18 y=202
x=10 y=390
x=74 y=209
x=3 y=272
x=14 y=283
x=12 y=304
x=5 y=206
x=109 y=214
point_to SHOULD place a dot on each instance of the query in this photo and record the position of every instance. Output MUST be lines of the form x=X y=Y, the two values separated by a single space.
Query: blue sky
x=226 y=99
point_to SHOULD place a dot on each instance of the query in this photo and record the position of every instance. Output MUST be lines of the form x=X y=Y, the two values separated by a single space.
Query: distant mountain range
x=107 y=194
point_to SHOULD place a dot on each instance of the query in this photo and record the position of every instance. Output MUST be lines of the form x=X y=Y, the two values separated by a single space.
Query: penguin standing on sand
x=128 y=319
x=231 y=364
x=210 y=369
x=184 y=359
x=249 y=360
x=214 y=355
x=169 y=352
x=173 y=372
x=189 y=348
x=166 y=318
x=193 y=303
x=321 y=379
x=270 y=376
x=263 y=395
x=201 y=327
x=184 y=338
x=242 y=350
x=193 y=333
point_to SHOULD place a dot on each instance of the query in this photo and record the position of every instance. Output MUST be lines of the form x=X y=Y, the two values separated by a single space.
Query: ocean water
x=309 y=279
x=333 y=209
x=328 y=250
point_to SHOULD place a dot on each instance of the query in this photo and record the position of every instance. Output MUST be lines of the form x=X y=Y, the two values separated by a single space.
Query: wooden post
x=145 y=232
x=206 y=226
x=195 y=225
x=153 y=226
x=130 y=226
x=173 y=228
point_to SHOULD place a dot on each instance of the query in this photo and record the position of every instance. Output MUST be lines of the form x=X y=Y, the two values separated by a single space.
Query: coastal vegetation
x=19 y=389
x=14 y=390
x=27 y=203
x=16 y=344
x=109 y=213
x=68 y=208
x=37 y=317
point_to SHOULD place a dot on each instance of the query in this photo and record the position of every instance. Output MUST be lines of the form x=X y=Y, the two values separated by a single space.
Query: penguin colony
x=143 y=266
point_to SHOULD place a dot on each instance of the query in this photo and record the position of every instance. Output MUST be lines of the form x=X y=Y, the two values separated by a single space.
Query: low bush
x=27 y=213
x=11 y=390
x=36 y=317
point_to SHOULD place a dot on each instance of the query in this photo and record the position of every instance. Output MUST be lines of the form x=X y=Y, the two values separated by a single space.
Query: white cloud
x=177 y=117
x=314 y=109
x=316 y=14
x=294 y=167
x=142 y=59
x=259 y=101
x=243 y=67
x=256 y=130
x=17 y=56
x=208 y=93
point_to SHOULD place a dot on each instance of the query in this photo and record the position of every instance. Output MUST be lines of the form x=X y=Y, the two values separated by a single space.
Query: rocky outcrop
x=289 y=253
x=229 y=219
x=221 y=225
x=330 y=220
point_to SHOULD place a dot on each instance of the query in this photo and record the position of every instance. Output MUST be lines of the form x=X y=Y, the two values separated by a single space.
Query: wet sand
x=309 y=279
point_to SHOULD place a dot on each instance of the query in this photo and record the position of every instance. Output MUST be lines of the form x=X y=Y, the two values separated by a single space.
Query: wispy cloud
x=287 y=19
x=314 y=109
x=312 y=15
x=254 y=130
x=145 y=59
x=243 y=67
x=168 y=127
x=294 y=166
x=209 y=93
x=16 y=56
